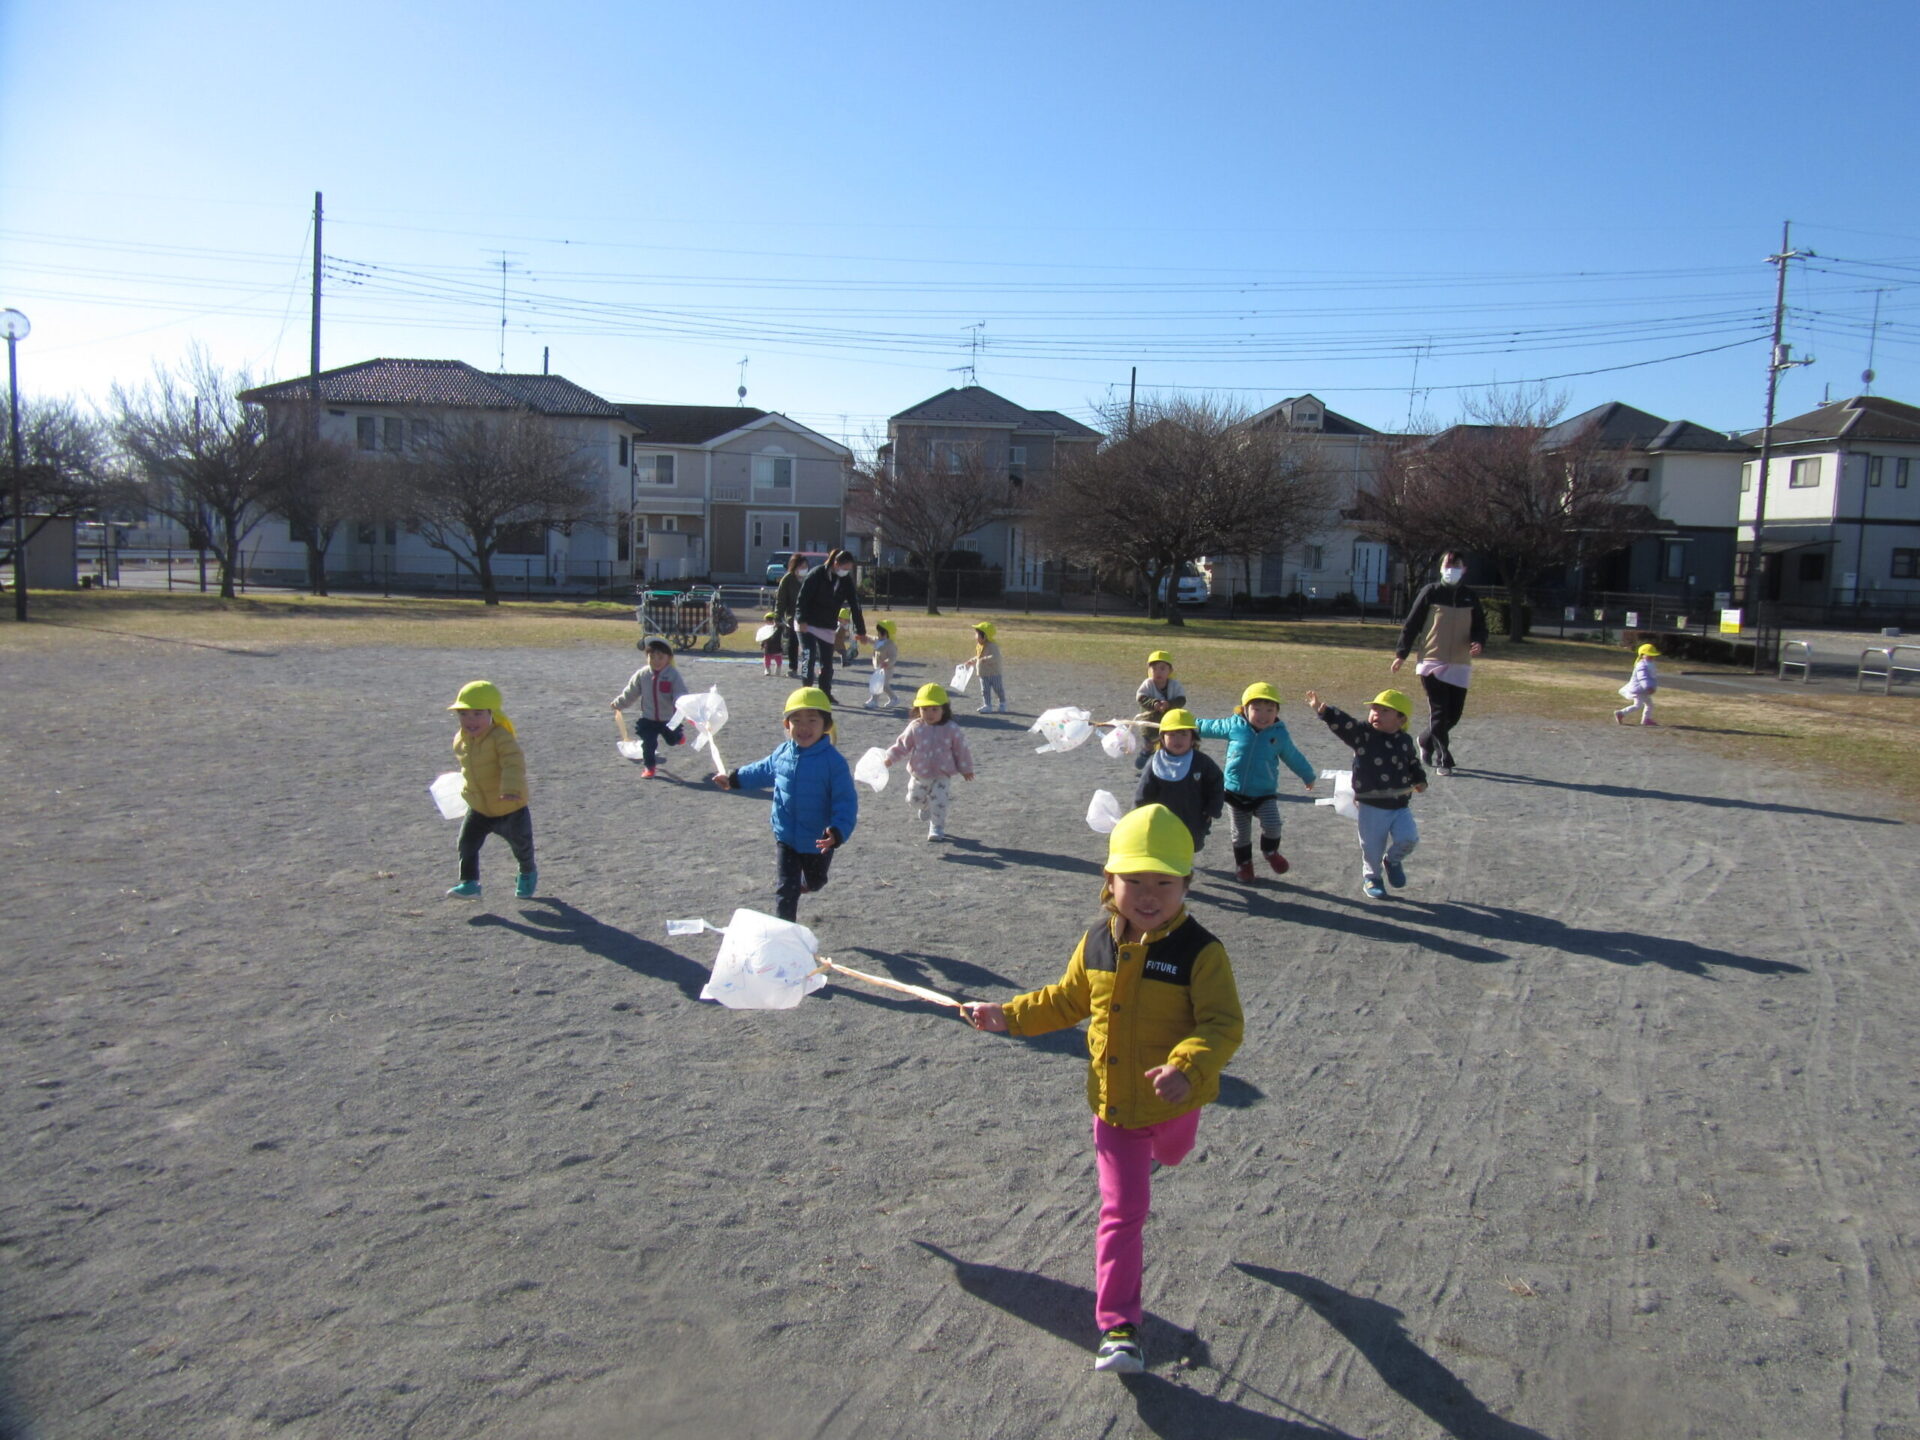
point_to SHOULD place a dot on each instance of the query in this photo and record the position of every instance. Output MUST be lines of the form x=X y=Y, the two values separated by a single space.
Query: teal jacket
x=1254 y=756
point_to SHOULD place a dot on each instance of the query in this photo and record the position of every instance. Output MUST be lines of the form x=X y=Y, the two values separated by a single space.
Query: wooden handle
x=918 y=991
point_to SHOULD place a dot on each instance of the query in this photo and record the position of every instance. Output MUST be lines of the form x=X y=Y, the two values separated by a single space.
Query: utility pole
x=313 y=353
x=1133 y=381
x=1778 y=359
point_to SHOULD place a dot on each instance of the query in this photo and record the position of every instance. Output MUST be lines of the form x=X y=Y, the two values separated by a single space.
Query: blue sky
x=1385 y=205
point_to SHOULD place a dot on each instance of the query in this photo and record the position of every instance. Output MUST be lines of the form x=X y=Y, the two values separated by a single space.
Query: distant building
x=1024 y=445
x=1843 y=505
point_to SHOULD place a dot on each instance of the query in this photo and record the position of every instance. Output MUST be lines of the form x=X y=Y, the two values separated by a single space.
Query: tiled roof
x=1063 y=424
x=973 y=405
x=688 y=424
x=1864 y=417
x=438 y=384
x=1332 y=422
x=1619 y=426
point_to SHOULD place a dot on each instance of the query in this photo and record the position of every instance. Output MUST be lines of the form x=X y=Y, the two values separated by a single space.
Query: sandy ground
x=1606 y=1126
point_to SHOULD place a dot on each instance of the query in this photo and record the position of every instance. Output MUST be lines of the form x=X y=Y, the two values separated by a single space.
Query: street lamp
x=15 y=325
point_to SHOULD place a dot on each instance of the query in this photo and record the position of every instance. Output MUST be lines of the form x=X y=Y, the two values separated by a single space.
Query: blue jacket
x=1254 y=756
x=812 y=789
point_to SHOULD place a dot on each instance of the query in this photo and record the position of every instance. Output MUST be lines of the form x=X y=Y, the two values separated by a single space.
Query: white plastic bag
x=1104 y=812
x=706 y=713
x=445 y=791
x=962 y=677
x=872 y=770
x=765 y=633
x=1120 y=741
x=1064 y=728
x=763 y=964
x=1342 y=802
x=877 y=683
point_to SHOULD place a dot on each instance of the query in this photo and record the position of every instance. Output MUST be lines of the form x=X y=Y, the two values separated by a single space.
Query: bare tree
x=66 y=467
x=475 y=480
x=198 y=455
x=927 y=506
x=1190 y=479
x=315 y=484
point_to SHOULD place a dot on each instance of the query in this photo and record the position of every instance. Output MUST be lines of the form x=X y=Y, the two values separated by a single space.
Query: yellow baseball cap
x=1178 y=720
x=1259 y=690
x=809 y=697
x=1160 y=657
x=1395 y=700
x=1647 y=652
x=930 y=695
x=985 y=627
x=1150 y=840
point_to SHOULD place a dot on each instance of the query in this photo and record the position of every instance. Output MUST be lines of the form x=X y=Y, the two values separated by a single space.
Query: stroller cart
x=688 y=618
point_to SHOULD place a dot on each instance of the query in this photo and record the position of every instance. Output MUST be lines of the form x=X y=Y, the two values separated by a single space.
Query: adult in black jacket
x=786 y=602
x=1445 y=631
x=823 y=594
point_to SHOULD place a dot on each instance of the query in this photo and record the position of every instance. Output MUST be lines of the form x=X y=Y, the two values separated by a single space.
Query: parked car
x=778 y=565
x=1191 y=590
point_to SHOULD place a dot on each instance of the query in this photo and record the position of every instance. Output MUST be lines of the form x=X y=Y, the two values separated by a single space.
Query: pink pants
x=1124 y=1159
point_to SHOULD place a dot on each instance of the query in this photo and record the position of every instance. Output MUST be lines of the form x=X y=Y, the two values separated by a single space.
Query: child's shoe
x=1370 y=887
x=524 y=883
x=987 y=709
x=1620 y=717
x=1277 y=862
x=934 y=832
x=1396 y=874
x=1120 y=1352
x=1243 y=872
x=1649 y=722
x=649 y=772
x=466 y=889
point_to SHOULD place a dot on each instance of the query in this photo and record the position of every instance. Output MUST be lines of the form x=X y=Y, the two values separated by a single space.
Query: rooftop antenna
x=976 y=342
x=503 y=304
x=741 y=393
x=1873 y=339
x=1413 y=385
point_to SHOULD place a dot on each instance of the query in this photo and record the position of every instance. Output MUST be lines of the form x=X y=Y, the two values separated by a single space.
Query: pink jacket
x=932 y=751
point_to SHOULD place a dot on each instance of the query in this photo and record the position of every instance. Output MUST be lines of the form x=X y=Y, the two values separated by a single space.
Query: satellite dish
x=742 y=393
x=1866 y=377
x=13 y=325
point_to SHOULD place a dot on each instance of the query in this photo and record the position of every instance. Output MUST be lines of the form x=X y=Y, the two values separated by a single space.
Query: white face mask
x=1453 y=574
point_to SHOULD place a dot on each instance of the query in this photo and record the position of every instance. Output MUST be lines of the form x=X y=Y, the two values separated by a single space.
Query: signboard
x=1633 y=619
x=1729 y=622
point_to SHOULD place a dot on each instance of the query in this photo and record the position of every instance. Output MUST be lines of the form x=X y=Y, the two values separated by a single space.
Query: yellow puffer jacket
x=1166 y=1000
x=492 y=766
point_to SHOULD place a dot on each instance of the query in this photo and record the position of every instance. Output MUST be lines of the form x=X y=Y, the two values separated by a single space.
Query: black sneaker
x=1119 y=1352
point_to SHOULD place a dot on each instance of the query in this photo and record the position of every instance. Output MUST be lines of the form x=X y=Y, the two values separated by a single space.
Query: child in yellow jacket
x=494 y=773
x=1166 y=1018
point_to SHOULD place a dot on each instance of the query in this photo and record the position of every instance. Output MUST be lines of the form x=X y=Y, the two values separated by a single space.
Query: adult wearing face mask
x=1445 y=630
x=822 y=595
x=786 y=602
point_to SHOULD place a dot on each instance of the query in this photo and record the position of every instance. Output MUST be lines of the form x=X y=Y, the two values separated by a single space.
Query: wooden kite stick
x=918 y=991
x=620 y=724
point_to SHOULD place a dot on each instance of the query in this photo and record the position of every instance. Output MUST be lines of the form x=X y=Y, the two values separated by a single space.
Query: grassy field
x=1860 y=741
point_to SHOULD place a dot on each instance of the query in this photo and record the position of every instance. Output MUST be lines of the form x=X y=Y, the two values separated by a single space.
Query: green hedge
x=1500 y=617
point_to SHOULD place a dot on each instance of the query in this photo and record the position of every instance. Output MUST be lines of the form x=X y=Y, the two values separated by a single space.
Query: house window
x=1906 y=564
x=623 y=543
x=1876 y=464
x=1813 y=568
x=1676 y=560
x=298 y=533
x=392 y=432
x=669 y=525
x=1806 y=474
x=1016 y=457
x=656 y=469
x=1746 y=477
x=527 y=538
x=623 y=452
x=366 y=433
x=1639 y=474
x=422 y=434
x=772 y=472
x=393 y=533
x=1313 y=557
x=639 y=529
x=1900 y=473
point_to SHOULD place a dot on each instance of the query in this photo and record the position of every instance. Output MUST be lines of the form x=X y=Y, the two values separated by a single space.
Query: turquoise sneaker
x=466 y=889
x=523 y=886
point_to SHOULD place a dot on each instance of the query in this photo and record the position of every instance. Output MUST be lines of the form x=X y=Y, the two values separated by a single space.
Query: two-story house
x=719 y=489
x=388 y=410
x=1682 y=491
x=1024 y=445
x=1842 y=524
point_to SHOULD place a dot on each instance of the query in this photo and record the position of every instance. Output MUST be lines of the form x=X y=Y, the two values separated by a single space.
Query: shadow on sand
x=1720 y=802
x=1376 y=1330
x=1169 y=1410
x=562 y=924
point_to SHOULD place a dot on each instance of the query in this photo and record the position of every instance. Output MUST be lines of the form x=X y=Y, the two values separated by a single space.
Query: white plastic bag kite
x=1064 y=728
x=706 y=713
x=877 y=683
x=629 y=748
x=1342 y=802
x=962 y=677
x=769 y=964
x=1120 y=741
x=1104 y=812
x=445 y=791
x=765 y=633
x=872 y=770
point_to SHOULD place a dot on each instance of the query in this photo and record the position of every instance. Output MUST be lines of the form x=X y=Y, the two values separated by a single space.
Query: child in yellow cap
x=986 y=664
x=1158 y=693
x=1257 y=745
x=1387 y=774
x=815 y=805
x=886 y=654
x=1638 y=691
x=1165 y=1019
x=935 y=750
x=1180 y=777
x=493 y=772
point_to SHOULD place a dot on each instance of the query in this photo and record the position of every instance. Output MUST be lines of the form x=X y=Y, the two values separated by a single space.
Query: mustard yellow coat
x=1168 y=999
x=492 y=766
